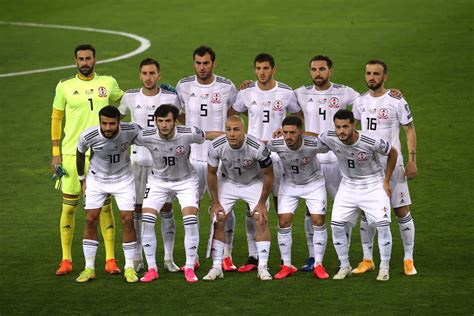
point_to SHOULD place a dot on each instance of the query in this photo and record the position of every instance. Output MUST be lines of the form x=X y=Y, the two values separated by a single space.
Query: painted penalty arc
x=144 y=45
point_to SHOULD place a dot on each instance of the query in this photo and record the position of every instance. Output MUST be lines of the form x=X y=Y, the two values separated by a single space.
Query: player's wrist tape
x=83 y=177
x=56 y=151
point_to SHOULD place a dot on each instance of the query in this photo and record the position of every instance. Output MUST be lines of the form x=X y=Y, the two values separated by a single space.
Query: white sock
x=251 y=230
x=149 y=239
x=348 y=229
x=339 y=240
x=367 y=238
x=191 y=239
x=89 y=247
x=137 y=222
x=229 y=228
x=168 y=232
x=216 y=253
x=309 y=233
x=129 y=251
x=385 y=243
x=320 y=240
x=407 y=231
x=284 y=242
x=263 y=253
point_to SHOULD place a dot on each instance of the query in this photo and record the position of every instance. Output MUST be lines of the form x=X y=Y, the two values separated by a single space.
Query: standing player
x=266 y=103
x=319 y=102
x=382 y=113
x=247 y=174
x=364 y=186
x=142 y=103
x=109 y=173
x=172 y=174
x=207 y=99
x=302 y=178
x=80 y=99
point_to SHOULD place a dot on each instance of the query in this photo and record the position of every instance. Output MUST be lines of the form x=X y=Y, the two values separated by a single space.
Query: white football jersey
x=206 y=107
x=142 y=108
x=359 y=162
x=319 y=108
x=382 y=117
x=241 y=165
x=110 y=160
x=300 y=166
x=171 y=157
x=266 y=108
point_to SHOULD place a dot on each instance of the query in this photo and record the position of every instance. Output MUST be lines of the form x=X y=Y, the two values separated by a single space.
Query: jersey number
x=266 y=116
x=238 y=170
x=371 y=123
x=350 y=163
x=169 y=161
x=146 y=193
x=151 y=120
x=92 y=105
x=203 y=109
x=114 y=158
x=295 y=169
x=323 y=113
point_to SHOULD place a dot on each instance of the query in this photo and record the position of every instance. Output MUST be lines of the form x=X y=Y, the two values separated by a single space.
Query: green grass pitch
x=428 y=47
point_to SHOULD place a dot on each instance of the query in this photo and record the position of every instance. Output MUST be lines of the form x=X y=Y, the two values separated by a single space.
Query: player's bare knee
x=284 y=221
x=92 y=220
x=401 y=212
x=167 y=207
x=318 y=220
x=127 y=219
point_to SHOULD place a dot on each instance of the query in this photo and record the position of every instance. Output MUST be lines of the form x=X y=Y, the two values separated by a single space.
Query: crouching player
x=364 y=186
x=110 y=172
x=302 y=178
x=247 y=174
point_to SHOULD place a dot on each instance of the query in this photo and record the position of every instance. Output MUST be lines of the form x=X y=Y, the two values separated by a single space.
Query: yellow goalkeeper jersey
x=81 y=101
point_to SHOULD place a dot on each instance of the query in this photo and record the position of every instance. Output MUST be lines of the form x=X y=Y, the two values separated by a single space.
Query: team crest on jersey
x=180 y=150
x=362 y=156
x=383 y=113
x=334 y=103
x=247 y=163
x=277 y=106
x=216 y=98
x=124 y=147
x=306 y=160
x=102 y=92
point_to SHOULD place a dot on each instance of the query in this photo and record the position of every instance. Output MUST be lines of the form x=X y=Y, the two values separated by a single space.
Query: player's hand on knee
x=217 y=211
x=277 y=133
x=261 y=213
x=411 y=171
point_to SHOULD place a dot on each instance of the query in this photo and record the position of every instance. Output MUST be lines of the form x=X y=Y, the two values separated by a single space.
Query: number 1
x=92 y=105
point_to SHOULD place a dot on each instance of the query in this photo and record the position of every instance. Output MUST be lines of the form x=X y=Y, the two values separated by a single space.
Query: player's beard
x=204 y=76
x=86 y=71
x=374 y=86
x=320 y=83
x=109 y=134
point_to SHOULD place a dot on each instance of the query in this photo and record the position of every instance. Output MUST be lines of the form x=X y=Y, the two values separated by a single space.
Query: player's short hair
x=203 y=50
x=164 y=109
x=150 y=61
x=343 y=114
x=263 y=57
x=110 y=111
x=292 y=120
x=379 y=62
x=84 y=47
x=322 y=58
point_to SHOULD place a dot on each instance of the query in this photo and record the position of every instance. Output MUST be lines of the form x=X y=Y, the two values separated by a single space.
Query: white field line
x=144 y=45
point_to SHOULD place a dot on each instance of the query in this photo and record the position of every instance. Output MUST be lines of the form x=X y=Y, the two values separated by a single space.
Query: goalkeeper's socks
x=107 y=227
x=67 y=225
x=89 y=247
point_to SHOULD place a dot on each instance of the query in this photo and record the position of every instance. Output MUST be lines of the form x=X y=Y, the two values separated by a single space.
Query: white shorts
x=332 y=177
x=277 y=173
x=201 y=170
x=230 y=192
x=123 y=192
x=141 y=175
x=398 y=183
x=373 y=200
x=314 y=194
x=158 y=192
